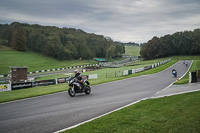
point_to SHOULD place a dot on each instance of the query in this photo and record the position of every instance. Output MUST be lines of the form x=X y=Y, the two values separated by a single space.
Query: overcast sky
x=122 y=20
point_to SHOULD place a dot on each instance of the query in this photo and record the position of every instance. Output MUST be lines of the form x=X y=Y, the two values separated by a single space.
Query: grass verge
x=174 y=114
x=31 y=92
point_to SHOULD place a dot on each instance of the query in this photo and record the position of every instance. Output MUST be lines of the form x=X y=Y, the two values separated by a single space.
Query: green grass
x=102 y=72
x=132 y=50
x=7 y=96
x=34 y=61
x=174 y=114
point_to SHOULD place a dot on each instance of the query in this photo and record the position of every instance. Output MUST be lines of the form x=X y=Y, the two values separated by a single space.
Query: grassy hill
x=33 y=61
x=132 y=50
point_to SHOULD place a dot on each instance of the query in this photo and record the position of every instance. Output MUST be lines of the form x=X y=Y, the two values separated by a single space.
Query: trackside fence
x=127 y=72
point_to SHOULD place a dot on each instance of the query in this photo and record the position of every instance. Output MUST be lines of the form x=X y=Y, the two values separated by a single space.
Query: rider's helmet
x=76 y=71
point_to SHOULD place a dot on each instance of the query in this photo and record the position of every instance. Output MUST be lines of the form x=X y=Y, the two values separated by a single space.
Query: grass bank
x=34 y=61
x=174 y=114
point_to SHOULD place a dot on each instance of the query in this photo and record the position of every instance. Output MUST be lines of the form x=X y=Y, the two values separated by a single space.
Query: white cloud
x=122 y=20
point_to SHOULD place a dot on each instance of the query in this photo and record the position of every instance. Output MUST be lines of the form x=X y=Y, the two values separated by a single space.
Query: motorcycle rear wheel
x=71 y=92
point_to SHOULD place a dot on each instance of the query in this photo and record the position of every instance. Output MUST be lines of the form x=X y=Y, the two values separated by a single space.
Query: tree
x=195 y=46
x=59 y=43
x=110 y=52
x=119 y=50
x=153 y=47
x=19 y=39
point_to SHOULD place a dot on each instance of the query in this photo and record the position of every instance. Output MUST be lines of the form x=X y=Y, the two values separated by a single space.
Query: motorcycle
x=186 y=64
x=174 y=73
x=75 y=87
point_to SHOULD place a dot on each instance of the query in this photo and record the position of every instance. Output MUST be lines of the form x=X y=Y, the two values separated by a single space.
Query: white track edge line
x=100 y=116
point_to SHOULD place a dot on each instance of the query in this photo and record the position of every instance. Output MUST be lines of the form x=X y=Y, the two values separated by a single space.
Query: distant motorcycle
x=174 y=73
x=75 y=87
x=186 y=64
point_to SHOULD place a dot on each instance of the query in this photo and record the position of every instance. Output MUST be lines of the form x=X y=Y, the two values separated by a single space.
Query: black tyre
x=87 y=90
x=71 y=92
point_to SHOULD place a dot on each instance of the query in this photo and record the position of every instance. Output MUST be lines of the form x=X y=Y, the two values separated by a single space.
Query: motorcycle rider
x=78 y=77
x=186 y=63
x=174 y=72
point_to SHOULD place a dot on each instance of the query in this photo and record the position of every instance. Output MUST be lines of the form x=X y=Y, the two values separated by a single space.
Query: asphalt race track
x=54 y=112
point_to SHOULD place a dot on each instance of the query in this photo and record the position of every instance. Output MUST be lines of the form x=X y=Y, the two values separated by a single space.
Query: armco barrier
x=133 y=71
x=147 y=67
x=127 y=72
x=139 y=69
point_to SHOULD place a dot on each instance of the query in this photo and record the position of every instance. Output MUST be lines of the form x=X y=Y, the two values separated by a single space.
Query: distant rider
x=186 y=63
x=174 y=72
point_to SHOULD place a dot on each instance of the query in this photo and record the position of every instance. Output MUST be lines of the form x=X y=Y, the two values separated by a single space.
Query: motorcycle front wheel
x=71 y=92
x=87 y=90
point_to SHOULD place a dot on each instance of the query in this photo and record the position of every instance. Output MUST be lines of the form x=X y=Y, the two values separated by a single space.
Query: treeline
x=179 y=43
x=131 y=44
x=59 y=43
